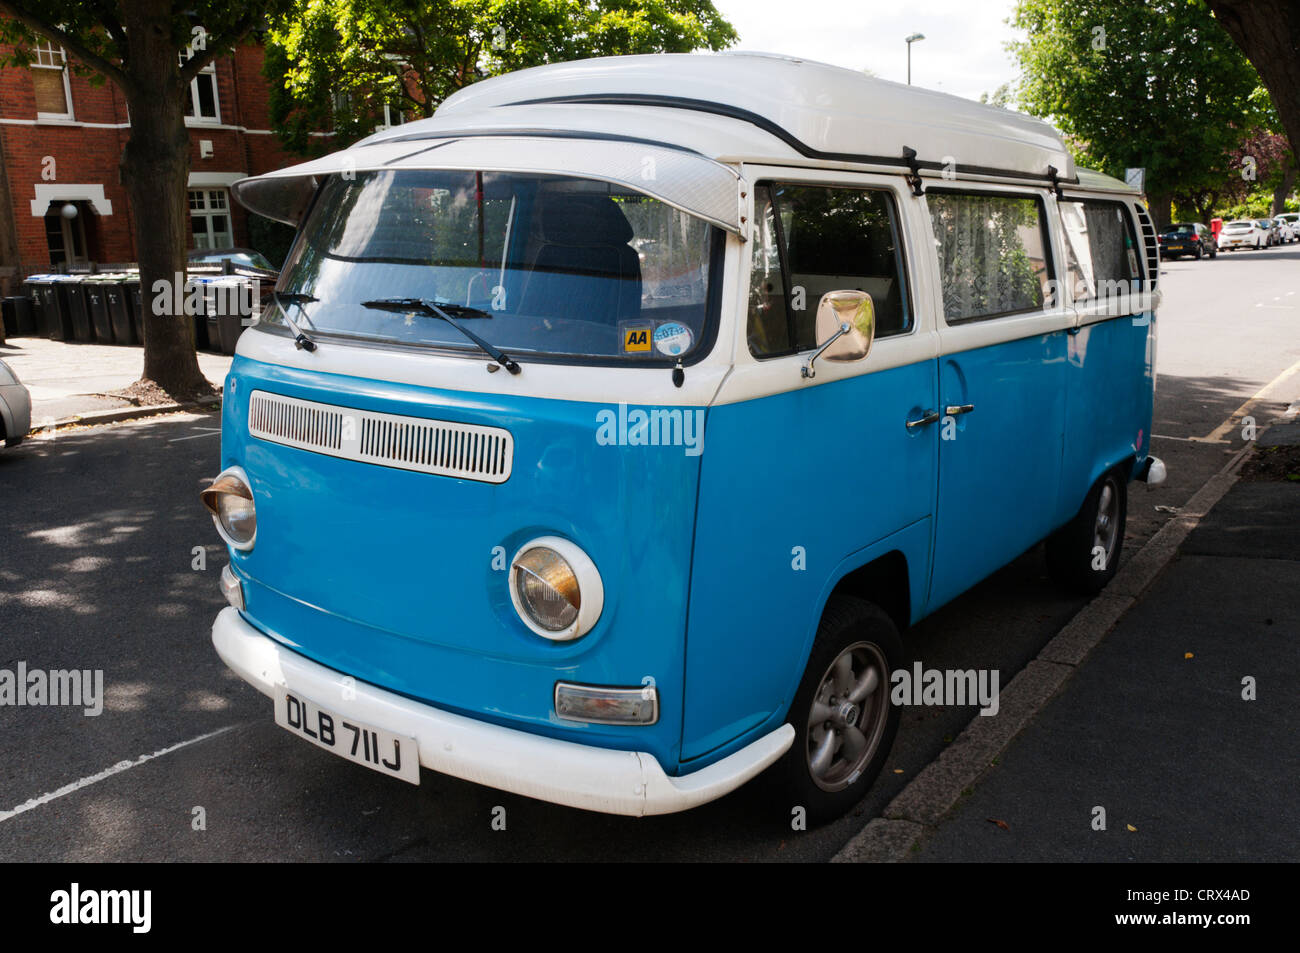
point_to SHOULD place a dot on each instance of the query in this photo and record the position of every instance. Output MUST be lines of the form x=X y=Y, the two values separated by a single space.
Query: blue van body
x=716 y=566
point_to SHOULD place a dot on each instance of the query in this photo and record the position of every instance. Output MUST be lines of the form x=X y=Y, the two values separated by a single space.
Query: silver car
x=15 y=407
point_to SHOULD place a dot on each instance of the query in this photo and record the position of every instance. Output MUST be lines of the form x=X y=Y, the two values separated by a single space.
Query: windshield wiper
x=282 y=298
x=423 y=306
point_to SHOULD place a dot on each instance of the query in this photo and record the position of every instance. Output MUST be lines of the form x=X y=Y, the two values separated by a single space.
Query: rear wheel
x=1084 y=553
x=1197 y=253
x=844 y=720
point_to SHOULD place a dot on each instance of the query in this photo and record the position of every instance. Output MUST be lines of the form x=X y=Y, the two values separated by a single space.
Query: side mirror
x=846 y=326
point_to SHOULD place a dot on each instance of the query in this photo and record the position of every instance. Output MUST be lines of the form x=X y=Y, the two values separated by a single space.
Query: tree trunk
x=1268 y=32
x=1161 y=209
x=1285 y=186
x=155 y=171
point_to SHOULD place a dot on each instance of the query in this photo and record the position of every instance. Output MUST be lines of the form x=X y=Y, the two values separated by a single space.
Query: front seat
x=584 y=268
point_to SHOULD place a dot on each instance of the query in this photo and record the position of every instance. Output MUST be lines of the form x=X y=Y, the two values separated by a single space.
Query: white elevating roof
x=696 y=116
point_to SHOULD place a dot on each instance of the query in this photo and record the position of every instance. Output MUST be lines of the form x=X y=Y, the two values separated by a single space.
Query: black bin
x=83 y=328
x=54 y=307
x=118 y=299
x=38 y=306
x=18 y=318
x=229 y=304
x=97 y=306
x=202 y=339
x=135 y=302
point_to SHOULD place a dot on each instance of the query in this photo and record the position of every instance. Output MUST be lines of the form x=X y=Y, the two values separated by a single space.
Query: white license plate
x=395 y=755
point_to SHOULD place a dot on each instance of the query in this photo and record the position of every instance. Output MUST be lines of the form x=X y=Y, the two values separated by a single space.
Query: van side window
x=1100 y=249
x=992 y=250
x=812 y=239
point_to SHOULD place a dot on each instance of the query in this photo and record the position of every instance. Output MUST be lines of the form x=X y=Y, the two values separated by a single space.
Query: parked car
x=1292 y=219
x=1270 y=231
x=240 y=257
x=1187 y=238
x=15 y=407
x=473 y=520
x=1288 y=229
x=1242 y=233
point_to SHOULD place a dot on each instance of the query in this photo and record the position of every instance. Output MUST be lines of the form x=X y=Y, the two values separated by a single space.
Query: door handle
x=956 y=410
x=931 y=416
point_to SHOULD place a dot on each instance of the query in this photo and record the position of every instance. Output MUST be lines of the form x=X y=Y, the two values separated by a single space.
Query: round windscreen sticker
x=673 y=339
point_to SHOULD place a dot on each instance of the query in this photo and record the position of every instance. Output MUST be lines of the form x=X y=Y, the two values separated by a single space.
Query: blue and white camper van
x=611 y=425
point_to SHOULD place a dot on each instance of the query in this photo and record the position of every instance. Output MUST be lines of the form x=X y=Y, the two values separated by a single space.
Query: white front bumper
x=596 y=779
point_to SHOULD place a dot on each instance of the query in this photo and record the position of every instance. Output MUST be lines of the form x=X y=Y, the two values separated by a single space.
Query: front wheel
x=1084 y=553
x=844 y=720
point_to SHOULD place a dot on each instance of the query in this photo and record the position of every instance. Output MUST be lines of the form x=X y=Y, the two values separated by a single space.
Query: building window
x=393 y=116
x=202 y=105
x=210 y=218
x=65 y=236
x=50 y=79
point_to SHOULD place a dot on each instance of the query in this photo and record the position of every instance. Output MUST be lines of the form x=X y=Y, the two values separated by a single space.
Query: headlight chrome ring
x=556 y=588
x=230 y=501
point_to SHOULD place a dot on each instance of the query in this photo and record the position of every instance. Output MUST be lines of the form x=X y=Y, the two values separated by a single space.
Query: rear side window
x=1100 y=249
x=992 y=250
x=813 y=239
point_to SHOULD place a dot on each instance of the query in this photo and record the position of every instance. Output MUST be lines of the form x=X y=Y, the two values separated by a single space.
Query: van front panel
x=400 y=579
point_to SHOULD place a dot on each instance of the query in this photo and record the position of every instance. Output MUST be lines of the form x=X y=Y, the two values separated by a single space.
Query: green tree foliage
x=337 y=63
x=1156 y=84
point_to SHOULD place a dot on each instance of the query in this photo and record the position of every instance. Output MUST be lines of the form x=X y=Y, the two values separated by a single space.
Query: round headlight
x=237 y=516
x=230 y=501
x=556 y=589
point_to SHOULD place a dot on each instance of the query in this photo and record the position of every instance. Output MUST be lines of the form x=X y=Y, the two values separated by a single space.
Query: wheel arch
x=884 y=581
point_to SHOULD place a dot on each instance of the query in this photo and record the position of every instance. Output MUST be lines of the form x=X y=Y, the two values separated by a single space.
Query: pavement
x=1178 y=739
x=68 y=380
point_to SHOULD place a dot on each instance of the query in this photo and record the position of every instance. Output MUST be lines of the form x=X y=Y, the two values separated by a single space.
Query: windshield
x=533 y=264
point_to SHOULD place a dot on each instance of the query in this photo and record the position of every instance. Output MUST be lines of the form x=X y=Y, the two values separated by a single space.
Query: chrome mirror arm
x=808 y=371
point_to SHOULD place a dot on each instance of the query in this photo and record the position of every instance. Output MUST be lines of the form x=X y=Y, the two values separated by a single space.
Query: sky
x=963 y=51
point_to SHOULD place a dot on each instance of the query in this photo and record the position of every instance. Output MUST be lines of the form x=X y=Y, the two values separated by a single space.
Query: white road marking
x=1160 y=436
x=107 y=773
x=209 y=432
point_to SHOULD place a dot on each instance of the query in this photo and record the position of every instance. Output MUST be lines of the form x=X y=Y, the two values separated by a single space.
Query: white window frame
x=389 y=111
x=209 y=70
x=208 y=211
x=44 y=49
x=74 y=233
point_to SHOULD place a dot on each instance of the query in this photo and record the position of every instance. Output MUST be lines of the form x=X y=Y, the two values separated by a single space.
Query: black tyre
x=1084 y=553
x=844 y=720
x=1197 y=254
x=13 y=441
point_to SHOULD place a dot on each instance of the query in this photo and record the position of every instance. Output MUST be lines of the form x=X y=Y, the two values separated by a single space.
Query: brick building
x=61 y=139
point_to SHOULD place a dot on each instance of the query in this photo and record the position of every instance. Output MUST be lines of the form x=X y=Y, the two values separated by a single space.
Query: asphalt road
x=96 y=552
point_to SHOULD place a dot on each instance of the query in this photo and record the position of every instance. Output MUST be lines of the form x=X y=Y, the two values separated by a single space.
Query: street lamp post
x=910 y=40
